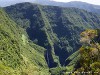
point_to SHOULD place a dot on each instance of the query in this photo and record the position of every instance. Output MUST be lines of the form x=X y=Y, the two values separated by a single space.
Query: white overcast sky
x=9 y=2
x=96 y=2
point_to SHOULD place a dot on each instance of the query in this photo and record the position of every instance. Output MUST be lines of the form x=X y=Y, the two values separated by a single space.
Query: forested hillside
x=55 y=28
x=46 y=40
x=18 y=55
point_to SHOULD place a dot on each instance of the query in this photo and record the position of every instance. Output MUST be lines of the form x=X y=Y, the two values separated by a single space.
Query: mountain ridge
x=77 y=4
x=43 y=40
x=54 y=28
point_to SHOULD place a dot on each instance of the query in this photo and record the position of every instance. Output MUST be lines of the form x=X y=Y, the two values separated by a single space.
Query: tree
x=90 y=52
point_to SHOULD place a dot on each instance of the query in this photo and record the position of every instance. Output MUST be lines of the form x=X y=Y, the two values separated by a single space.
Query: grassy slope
x=19 y=56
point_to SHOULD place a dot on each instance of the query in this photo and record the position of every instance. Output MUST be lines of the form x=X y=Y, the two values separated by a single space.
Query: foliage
x=58 y=71
x=17 y=56
x=56 y=29
x=90 y=53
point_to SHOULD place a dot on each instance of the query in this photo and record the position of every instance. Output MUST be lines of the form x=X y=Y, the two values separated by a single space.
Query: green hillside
x=18 y=55
x=45 y=40
x=55 y=28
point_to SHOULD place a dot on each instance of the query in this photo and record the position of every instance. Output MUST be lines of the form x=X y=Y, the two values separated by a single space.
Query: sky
x=9 y=2
x=96 y=2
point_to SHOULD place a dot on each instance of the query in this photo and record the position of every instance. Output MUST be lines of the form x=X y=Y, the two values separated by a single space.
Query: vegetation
x=55 y=28
x=89 y=61
x=18 y=55
x=40 y=40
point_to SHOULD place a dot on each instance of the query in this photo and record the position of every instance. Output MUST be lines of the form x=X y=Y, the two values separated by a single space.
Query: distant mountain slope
x=18 y=56
x=85 y=6
x=55 y=28
x=76 y=4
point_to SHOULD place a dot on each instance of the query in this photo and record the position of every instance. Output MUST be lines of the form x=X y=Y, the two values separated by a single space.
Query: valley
x=41 y=39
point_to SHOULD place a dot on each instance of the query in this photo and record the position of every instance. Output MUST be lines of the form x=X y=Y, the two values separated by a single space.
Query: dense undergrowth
x=18 y=55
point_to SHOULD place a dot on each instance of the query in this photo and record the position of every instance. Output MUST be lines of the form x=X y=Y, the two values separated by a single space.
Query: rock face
x=56 y=29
